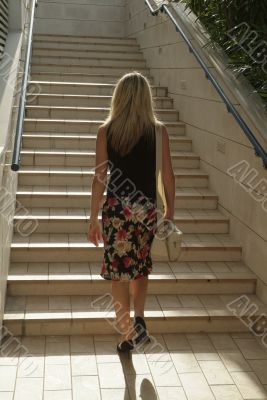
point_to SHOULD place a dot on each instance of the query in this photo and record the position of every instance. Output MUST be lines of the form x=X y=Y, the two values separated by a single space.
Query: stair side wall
x=9 y=97
x=217 y=138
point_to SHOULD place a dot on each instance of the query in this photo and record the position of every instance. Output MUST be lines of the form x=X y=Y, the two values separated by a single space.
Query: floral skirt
x=128 y=231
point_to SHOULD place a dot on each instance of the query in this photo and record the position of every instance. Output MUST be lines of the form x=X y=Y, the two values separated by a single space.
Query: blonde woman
x=125 y=145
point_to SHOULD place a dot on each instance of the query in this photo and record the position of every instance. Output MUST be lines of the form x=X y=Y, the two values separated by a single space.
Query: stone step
x=105 y=60
x=59 y=39
x=85 y=89
x=81 y=158
x=68 y=315
x=79 y=197
x=70 y=113
x=84 y=126
x=73 y=52
x=75 y=100
x=79 y=78
x=75 y=247
x=81 y=142
x=58 y=220
x=67 y=176
x=74 y=279
x=50 y=45
x=79 y=67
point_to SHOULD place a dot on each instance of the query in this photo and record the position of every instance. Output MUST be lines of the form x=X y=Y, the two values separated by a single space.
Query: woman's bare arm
x=168 y=175
x=100 y=176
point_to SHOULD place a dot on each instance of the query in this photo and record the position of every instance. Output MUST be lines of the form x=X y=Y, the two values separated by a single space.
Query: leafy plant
x=221 y=16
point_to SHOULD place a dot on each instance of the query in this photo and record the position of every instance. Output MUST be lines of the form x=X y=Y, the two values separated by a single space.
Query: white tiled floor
x=215 y=366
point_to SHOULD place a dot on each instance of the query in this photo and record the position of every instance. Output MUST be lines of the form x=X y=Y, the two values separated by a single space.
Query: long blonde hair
x=132 y=112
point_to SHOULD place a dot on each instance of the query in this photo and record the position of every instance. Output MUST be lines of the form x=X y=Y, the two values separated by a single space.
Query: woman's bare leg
x=138 y=289
x=121 y=300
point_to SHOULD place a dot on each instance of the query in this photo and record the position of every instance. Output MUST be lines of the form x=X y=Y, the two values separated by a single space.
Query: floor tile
x=204 y=350
x=176 y=341
x=57 y=377
x=115 y=394
x=223 y=341
x=185 y=361
x=57 y=339
x=29 y=388
x=136 y=364
x=57 y=395
x=226 y=392
x=106 y=352
x=60 y=348
x=164 y=374
x=251 y=349
x=9 y=360
x=32 y=366
x=249 y=385
x=141 y=387
x=85 y=388
x=171 y=393
x=215 y=373
x=83 y=364
x=6 y=395
x=260 y=369
x=34 y=344
x=196 y=387
x=82 y=344
x=234 y=361
x=111 y=375
x=7 y=378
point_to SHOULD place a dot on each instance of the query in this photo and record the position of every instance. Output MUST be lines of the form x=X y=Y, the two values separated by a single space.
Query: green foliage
x=220 y=16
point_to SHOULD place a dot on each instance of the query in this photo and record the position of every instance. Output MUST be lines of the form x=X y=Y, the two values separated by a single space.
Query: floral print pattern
x=128 y=231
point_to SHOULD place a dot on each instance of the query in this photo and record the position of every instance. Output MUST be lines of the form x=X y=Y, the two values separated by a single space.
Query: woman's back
x=135 y=172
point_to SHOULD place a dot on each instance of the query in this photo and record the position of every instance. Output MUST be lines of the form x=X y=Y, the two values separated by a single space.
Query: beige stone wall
x=9 y=97
x=211 y=127
x=81 y=17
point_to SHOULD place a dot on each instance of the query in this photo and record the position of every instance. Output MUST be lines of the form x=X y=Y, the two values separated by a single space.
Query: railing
x=3 y=25
x=21 y=112
x=259 y=150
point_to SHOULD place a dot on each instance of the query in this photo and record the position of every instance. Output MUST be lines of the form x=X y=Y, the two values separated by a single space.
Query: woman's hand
x=94 y=232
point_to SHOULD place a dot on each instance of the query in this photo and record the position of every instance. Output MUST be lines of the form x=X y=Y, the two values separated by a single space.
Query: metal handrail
x=21 y=112
x=259 y=150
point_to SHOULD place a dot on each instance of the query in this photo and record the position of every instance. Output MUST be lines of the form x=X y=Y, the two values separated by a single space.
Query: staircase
x=54 y=282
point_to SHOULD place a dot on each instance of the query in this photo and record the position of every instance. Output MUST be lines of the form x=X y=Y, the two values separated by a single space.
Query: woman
x=126 y=146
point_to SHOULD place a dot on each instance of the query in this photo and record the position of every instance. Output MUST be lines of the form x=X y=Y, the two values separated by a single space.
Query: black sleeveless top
x=134 y=174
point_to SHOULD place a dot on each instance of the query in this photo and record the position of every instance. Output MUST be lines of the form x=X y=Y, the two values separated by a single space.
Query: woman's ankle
x=139 y=314
x=124 y=338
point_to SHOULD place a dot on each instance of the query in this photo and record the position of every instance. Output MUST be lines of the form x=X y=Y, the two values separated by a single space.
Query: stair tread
x=85 y=96
x=108 y=67
x=87 y=121
x=87 y=57
x=82 y=84
x=102 y=74
x=186 y=154
x=52 y=135
x=36 y=48
x=87 y=307
x=90 y=171
x=200 y=240
x=162 y=271
x=37 y=107
x=37 y=36
x=66 y=49
x=84 y=214
x=84 y=190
